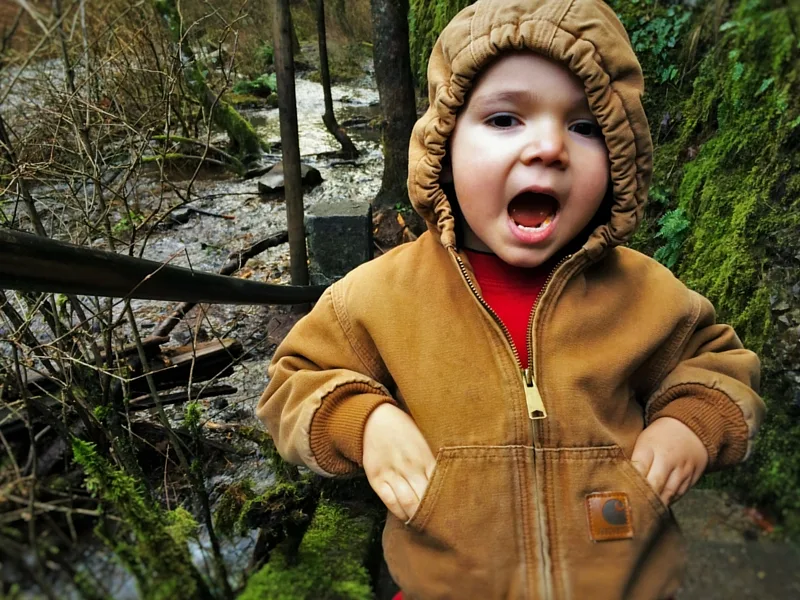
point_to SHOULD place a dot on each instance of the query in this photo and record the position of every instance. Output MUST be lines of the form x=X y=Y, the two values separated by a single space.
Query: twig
x=50 y=507
x=200 y=211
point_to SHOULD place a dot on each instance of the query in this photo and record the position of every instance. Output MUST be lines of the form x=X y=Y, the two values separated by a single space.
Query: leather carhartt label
x=609 y=516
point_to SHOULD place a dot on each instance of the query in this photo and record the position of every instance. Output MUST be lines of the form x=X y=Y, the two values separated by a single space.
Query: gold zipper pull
x=533 y=398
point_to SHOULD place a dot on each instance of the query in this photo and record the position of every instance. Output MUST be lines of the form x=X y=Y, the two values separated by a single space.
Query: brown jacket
x=533 y=495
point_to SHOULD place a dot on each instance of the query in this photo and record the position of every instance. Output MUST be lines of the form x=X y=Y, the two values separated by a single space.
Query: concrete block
x=339 y=237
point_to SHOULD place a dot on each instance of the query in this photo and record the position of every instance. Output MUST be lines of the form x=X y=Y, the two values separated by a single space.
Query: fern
x=674 y=227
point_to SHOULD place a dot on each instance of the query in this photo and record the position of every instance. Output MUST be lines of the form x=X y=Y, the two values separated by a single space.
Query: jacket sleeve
x=324 y=384
x=712 y=387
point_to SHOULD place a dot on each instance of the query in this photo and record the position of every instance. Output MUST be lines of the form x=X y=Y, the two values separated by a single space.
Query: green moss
x=280 y=508
x=283 y=470
x=181 y=525
x=329 y=564
x=230 y=506
x=426 y=19
x=88 y=587
x=262 y=86
x=143 y=538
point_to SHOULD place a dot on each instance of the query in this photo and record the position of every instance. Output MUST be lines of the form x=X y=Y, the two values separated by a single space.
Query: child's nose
x=546 y=143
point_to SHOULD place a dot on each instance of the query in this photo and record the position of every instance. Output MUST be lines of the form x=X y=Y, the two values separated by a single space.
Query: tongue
x=531 y=210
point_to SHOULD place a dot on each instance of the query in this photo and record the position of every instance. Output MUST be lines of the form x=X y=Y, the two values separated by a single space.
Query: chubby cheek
x=595 y=178
x=478 y=187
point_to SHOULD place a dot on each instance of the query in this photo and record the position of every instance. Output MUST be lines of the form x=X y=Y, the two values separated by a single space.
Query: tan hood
x=584 y=35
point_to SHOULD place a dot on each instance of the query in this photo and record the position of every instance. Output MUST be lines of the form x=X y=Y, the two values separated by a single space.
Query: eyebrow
x=522 y=95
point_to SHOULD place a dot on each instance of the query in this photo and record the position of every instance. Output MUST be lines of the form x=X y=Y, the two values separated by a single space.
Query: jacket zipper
x=533 y=398
x=530 y=374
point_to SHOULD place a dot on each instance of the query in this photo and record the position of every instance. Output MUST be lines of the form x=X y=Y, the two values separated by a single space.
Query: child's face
x=529 y=164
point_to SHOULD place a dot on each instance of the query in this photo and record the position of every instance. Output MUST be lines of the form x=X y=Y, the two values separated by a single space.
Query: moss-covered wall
x=724 y=107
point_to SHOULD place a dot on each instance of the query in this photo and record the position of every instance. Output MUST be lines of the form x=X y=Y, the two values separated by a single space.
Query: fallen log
x=39 y=384
x=173 y=368
x=236 y=260
x=182 y=365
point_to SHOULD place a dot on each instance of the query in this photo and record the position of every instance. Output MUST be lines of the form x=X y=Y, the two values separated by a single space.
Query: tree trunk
x=348 y=148
x=290 y=143
x=244 y=140
x=396 y=89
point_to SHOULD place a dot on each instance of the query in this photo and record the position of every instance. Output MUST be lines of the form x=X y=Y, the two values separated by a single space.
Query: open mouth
x=533 y=211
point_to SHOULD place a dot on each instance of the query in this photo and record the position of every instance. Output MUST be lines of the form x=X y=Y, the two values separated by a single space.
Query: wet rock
x=274 y=178
x=339 y=239
x=179 y=216
x=781 y=306
x=257 y=169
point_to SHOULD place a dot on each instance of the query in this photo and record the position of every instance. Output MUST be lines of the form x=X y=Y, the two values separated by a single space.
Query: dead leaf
x=759 y=519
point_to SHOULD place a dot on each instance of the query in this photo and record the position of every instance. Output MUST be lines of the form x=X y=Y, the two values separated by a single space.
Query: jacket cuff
x=337 y=428
x=711 y=415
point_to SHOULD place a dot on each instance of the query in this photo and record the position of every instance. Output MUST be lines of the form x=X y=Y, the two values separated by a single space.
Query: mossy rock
x=261 y=87
x=328 y=565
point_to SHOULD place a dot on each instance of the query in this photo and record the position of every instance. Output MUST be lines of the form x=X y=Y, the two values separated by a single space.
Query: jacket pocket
x=425 y=508
x=465 y=539
x=610 y=535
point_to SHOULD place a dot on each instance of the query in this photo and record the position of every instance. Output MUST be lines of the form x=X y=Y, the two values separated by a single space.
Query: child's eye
x=586 y=128
x=502 y=121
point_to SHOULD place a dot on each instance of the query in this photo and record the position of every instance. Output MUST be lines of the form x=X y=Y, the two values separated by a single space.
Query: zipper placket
x=533 y=398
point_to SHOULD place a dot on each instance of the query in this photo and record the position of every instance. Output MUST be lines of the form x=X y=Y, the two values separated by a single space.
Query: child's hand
x=670 y=456
x=397 y=460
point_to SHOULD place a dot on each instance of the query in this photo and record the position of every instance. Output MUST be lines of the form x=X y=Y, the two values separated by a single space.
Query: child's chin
x=525 y=258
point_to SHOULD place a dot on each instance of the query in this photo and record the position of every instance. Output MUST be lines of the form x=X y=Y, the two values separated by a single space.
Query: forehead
x=528 y=73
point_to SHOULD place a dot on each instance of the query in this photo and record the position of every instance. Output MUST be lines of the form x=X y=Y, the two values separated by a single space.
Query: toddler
x=526 y=395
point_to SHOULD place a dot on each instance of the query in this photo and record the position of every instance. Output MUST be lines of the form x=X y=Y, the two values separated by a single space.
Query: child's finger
x=389 y=499
x=671 y=491
x=657 y=477
x=429 y=469
x=406 y=497
x=642 y=458
x=685 y=487
x=418 y=482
